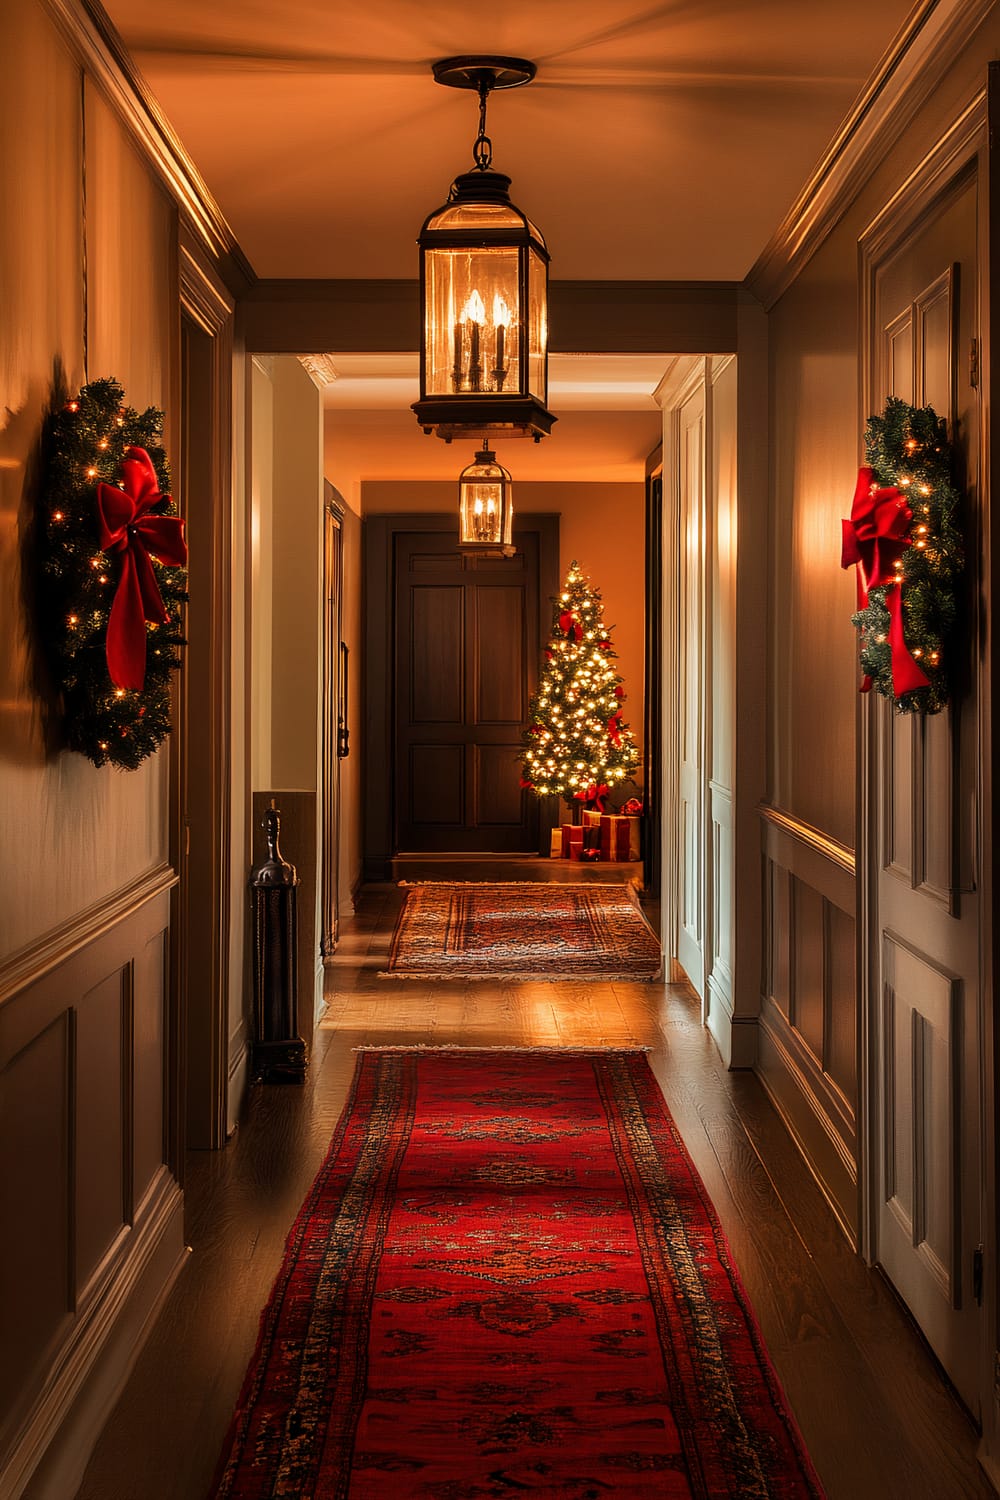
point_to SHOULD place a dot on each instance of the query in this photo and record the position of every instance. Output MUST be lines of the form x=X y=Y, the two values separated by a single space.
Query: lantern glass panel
x=483 y=517
x=538 y=333
x=471 y=321
x=472 y=215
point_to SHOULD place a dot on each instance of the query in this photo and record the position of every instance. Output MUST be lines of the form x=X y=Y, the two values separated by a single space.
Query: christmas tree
x=577 y=744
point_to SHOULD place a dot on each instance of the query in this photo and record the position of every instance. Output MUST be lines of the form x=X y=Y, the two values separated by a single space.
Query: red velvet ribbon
x=877 y=534
x=620 y=693
x=527 y=785
x=127 y=527
x=570 y=625
x=593 y=794
x=615 y=728
x=874 y=539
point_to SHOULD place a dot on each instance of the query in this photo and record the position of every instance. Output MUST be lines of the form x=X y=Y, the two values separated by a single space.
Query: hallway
x=877 y=1418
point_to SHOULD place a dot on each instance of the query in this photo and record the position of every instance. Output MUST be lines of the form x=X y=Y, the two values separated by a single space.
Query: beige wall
x=601 y=526
x=89 y=1201
x=71 y=833
x=286 y=633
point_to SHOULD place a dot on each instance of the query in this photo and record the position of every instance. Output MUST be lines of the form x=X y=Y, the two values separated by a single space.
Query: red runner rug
x=508 y=1281
x=520 y=931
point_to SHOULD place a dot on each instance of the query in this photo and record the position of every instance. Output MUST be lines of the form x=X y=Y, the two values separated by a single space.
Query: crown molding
x=918 y=58
x=320 y=368
x=100 y=50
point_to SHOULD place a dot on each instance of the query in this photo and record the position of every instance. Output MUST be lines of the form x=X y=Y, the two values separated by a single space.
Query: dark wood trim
x=652 y=735
x=201 y=787
x=619 y=317
x=378 y=592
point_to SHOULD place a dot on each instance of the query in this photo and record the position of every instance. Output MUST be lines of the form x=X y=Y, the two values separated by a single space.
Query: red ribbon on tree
x=570 y=625
x=620 y=692
x=593 y=794
x=127 y=527
x=615 y=728
x=874 y=539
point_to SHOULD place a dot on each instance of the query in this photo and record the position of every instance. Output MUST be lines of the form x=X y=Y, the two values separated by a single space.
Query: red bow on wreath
x=593 y=795
x=875 y=538
x=615 y=728
x=570 y=625
x=127 y=527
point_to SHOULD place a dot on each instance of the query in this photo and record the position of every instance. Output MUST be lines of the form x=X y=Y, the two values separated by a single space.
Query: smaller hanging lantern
x=485 y=508
x=483 y=290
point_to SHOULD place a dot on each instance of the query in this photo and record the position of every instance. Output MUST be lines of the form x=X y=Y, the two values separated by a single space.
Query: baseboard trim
x=735 y=1036
x=54 y=1444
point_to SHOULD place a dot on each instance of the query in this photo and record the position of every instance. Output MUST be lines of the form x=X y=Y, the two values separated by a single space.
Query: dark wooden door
x=466 y=658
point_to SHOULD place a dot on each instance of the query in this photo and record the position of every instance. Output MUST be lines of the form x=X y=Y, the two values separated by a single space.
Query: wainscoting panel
x=807 y=1048
x=89 y=1200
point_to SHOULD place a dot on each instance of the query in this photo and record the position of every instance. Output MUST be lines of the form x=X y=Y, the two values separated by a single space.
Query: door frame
x=333 y=730
x=963 y=149
x=201 y=751
x=684 y=376
x=378 y=615
x=652 y=733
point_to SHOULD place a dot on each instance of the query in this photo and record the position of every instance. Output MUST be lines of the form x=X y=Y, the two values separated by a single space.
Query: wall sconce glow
x=483 y=290
x=485 y=508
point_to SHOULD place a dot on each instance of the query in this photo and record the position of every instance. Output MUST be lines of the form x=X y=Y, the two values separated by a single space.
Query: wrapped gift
x=586 y=852
x=572 y=837
x=591 y=819
x=619 y=837
x=556 y=849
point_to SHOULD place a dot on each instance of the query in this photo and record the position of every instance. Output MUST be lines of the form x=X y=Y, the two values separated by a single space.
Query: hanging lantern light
x=485 y=508
x=483 y=290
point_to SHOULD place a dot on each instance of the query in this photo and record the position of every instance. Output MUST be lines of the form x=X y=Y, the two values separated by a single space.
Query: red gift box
x=572 y=835
x=619 y=837
x=591 y=819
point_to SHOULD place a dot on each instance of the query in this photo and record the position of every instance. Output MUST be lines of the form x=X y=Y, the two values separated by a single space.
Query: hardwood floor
x=877 y=1417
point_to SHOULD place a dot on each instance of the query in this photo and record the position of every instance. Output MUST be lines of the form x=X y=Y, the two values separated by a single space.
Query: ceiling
x=659 y=142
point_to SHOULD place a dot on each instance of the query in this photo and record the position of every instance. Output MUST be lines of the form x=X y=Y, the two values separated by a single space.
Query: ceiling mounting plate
x=472 y=72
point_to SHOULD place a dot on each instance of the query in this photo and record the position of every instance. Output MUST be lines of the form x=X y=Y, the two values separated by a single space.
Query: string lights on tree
x=578 y=745
x=903 y=538
x=112 y=578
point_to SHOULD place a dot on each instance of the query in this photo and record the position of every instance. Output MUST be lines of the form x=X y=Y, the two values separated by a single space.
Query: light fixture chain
x=482 y=151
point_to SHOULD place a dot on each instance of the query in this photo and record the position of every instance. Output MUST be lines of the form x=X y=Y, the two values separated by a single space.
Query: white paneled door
x=691 y=651
x=925 y=927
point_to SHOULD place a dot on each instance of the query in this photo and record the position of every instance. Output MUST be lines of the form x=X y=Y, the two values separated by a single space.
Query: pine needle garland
x=907 y=447
x=577 y=738
x=83 y=444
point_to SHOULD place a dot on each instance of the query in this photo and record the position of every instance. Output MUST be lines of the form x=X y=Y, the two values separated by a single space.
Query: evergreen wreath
x=904 y=537
x=89 y=444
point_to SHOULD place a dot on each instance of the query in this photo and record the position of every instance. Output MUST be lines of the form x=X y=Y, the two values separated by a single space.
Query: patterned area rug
x=522 y=932
x=508 y=1281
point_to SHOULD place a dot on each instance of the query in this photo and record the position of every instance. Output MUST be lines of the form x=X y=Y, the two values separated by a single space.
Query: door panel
x=466 y=656
x=500 y=674
x=498 y=778
x=926 y=929
x=436 y=651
